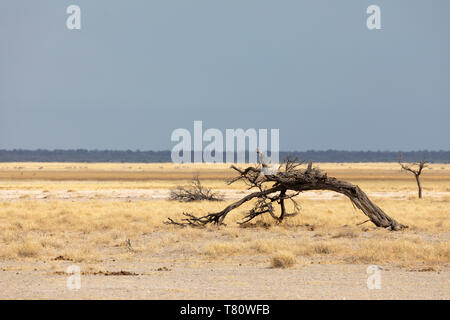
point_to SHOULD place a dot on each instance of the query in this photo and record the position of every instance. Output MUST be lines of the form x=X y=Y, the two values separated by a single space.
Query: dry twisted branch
x=274 y=187
x=411 y=168
x=195 y=192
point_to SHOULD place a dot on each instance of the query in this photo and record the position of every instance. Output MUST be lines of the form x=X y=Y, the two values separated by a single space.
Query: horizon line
x=246 y=150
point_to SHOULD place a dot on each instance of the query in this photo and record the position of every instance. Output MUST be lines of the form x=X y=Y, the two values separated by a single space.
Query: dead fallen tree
x=194 y=192
x=283 y=185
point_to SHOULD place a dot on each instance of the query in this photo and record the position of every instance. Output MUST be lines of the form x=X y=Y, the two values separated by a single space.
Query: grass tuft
x=283 y=259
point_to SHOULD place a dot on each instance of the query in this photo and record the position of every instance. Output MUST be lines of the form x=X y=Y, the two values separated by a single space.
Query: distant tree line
x=82 y=155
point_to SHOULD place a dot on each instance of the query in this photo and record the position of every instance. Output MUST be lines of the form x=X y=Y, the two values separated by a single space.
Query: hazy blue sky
x=137 y=70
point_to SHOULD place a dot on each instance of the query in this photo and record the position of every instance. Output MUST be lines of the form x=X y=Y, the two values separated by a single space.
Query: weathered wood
x=290 y=178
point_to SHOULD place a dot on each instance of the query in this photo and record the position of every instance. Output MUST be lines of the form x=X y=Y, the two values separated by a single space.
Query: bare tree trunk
x=283 y=208
x=418 y=185
x=358 y=198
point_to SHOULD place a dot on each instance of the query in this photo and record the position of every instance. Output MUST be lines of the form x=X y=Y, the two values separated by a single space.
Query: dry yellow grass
x=326 y=231
x=139 y=172
x=102 y=225
x=283 y=259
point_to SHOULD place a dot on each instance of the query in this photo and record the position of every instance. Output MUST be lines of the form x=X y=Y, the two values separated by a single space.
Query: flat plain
x=108 y=219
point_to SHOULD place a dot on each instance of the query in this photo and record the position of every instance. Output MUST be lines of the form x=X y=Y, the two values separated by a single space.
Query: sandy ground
x=231 y=280
x=177 y=273
x=163 y=194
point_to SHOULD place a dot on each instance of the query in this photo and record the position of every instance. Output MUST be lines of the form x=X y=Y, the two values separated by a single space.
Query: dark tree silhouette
x=283 y=185
x=416 y=169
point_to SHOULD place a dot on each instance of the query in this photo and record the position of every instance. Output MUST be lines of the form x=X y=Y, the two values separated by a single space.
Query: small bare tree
x=194 y=192
x=416 y=169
